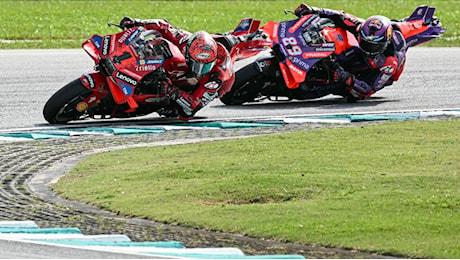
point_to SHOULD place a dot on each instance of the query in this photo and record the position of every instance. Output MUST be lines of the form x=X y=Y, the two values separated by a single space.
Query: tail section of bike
x=421 y=26
x=251 y=40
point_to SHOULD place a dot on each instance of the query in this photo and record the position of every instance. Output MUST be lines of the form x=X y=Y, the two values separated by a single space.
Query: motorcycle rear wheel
x=60 y=108
x=246 y=87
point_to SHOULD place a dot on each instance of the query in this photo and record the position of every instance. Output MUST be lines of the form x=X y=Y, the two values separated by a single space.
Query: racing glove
x=186 y=104
x=344 y=77
x=128 y=22
x=304 y=9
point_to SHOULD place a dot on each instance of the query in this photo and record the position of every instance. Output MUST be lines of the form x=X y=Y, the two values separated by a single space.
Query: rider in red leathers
x=207 y=73
x=380 y=58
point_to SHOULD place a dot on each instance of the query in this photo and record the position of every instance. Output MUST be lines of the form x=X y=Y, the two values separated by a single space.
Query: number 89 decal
x=292 y=42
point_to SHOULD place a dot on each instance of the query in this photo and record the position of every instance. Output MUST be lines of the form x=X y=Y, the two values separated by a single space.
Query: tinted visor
x=200 y=68
x=372 y=48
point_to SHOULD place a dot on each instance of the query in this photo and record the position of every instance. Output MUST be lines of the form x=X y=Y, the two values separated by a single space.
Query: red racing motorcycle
x=129 y=73
x=304 y=50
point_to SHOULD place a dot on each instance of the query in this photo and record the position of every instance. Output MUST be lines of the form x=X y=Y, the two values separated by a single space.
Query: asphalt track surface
x=30 y=77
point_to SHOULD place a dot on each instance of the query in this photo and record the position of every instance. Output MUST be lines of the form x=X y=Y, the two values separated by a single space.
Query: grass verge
x=388 y=188
x=66 y=24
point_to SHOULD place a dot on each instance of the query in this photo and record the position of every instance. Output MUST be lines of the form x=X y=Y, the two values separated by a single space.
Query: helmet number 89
x=291 y=42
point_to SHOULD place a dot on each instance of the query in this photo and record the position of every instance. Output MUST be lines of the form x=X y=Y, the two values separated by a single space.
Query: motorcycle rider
x=380 y=58
x=208 y=72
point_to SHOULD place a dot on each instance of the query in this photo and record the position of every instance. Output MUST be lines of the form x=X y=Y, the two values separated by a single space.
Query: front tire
x=246 y=87
x=60 y=108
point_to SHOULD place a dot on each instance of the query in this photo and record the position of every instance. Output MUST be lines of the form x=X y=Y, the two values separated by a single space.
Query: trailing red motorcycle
x=129 y=74
x=304 y=53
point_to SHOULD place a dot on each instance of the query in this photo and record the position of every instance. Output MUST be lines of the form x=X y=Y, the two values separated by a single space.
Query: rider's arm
x=384 y=76
x=188 y=104
x=173 y=34
x=341 y=19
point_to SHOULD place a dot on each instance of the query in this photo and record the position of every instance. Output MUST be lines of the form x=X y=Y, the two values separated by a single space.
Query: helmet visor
x=201 y=68
x=372 y=48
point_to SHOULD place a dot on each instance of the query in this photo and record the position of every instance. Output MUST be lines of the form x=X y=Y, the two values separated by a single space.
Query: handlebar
x=114 y=24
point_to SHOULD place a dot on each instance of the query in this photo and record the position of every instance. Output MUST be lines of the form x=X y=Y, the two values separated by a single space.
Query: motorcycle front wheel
x=61 y=107
x=246 y=88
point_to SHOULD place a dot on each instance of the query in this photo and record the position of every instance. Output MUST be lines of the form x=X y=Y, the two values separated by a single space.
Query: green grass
x=66 y=24
x=388 y=188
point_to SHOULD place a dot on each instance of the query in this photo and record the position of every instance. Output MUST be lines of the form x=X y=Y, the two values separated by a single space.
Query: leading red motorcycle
x=129 y=73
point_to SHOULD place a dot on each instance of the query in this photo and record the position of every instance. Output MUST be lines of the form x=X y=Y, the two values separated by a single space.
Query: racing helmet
x=201 y=53
x=374 y=35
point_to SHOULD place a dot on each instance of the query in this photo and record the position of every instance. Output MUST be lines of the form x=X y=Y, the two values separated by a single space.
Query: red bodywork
x=121 y=65
x=418 y=28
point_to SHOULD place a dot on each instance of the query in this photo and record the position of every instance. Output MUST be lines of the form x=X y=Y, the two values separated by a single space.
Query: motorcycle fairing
x=342 y=38
x=123 y=61
x=296 y=50
x=96 y=82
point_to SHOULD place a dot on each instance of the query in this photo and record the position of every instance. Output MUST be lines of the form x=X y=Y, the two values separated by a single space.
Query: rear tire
x=60 y=108
x=246 y=88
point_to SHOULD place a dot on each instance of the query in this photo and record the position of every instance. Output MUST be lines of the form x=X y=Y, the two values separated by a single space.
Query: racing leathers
x=190 y=92
x=362 y=74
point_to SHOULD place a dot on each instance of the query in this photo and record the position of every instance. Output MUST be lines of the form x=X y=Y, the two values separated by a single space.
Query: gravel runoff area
x=27 y=168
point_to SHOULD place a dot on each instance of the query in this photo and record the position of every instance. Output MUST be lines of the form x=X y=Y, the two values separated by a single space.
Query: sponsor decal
x=282 y=29
x=134 y=35
x=376 y=23
x=325 y=49
x=261 y=65
x=150 y=61
x=383 y=80
x=96 y=40
x=185 y=105
x=127 y=90
x=82 y=106
x=106 y=45
x=315 y=55
x=125 y=35
x=328 y=45
x=90 y=81
x=293 y=68
x=128 y=79
x=211 y=85
x=387 y=69
x=285 y=75
x=298 y=23
x=275 y=32
x=146 y=67
x=208 y=97
x=301 y=63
